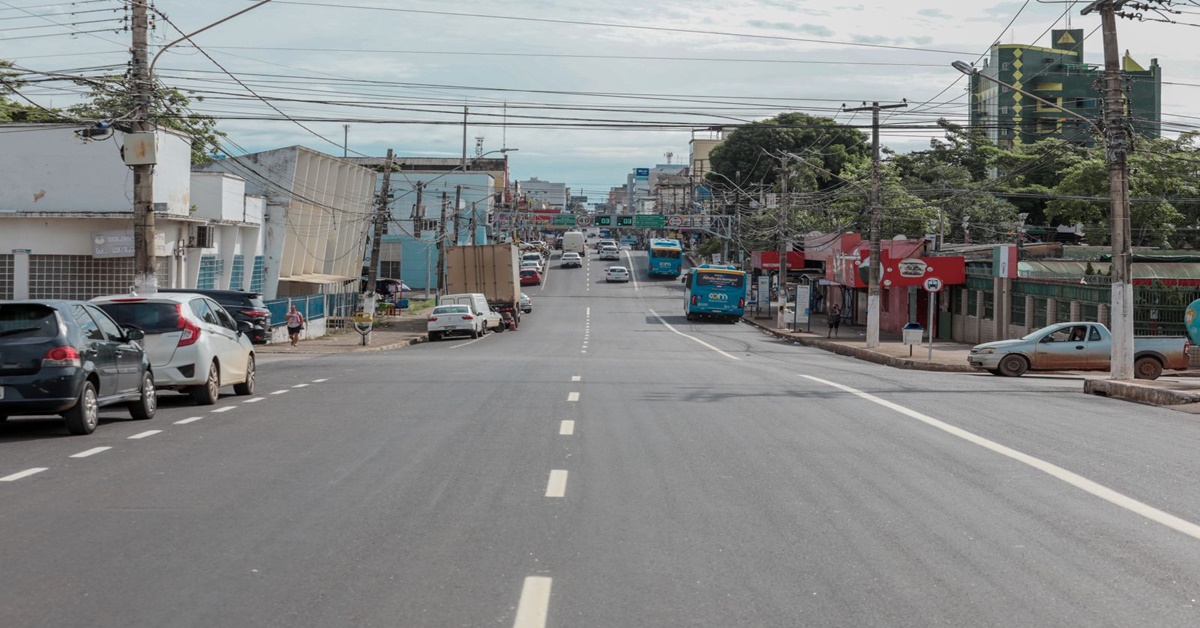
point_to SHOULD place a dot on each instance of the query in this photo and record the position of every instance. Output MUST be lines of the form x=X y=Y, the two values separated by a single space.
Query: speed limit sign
x=933 y=284
x=583 y=220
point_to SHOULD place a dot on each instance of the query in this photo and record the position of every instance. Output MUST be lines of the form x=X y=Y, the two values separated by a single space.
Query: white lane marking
x=567 y=428
x=254 y=400
x=189 y=420
x=23 y=474
x=573 y=396
x=299 y=385
x=535 y=603
x=318 y=381
x=279 y=392
x=225 y=409
x=91 y=452
x=575 y=378
x=557 y=486
x=145 y=434
x=470 y=341
x=668 y=325
x=632 y=273
x=589 y=311
x=1078 y=481
x=584 y=351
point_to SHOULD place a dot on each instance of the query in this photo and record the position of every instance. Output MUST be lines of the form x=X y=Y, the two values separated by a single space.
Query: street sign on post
x=583 y=220
x=933 y=285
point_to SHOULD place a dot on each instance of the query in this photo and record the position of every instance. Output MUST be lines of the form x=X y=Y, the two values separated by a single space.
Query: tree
x=13 y=110
x=741 y=156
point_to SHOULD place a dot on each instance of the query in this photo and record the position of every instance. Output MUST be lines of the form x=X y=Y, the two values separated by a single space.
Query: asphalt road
x=609 y=464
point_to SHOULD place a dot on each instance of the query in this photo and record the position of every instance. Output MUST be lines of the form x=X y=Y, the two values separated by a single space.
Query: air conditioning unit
x=205 y=237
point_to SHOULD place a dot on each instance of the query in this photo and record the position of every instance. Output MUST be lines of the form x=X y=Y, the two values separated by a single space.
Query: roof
x=1051 y=269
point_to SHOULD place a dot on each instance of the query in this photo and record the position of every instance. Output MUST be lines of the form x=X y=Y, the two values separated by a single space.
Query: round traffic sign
x=933 y=284
x=674 y=221
x=583 y=220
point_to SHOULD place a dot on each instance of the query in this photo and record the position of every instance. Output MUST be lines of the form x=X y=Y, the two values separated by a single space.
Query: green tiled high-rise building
x=1059 y=75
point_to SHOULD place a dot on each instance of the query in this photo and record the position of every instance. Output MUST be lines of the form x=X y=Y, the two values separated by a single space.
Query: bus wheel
x=688 y=315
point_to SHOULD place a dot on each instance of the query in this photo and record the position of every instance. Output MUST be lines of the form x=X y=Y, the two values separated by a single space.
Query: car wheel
x=994 y=371
x=247 y=387
x=207 y=393
x=1147 y=368
x=474 y=333
x=500 y=329
x=144 y=408
x=1014 y=365
x=83 y=417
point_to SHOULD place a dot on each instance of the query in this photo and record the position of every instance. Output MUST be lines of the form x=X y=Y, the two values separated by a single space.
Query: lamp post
x=1121 y=305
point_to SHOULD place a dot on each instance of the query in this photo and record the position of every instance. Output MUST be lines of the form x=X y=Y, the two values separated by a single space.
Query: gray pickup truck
x=1077 y=347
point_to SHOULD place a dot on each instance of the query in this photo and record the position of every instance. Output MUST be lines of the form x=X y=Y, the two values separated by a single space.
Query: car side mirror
x=133 y=333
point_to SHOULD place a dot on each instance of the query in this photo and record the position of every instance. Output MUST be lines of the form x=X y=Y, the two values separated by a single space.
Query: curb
x=1138 y=393
x=867 y=355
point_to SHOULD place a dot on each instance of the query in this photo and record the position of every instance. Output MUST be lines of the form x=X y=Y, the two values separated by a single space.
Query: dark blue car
x=69 y=358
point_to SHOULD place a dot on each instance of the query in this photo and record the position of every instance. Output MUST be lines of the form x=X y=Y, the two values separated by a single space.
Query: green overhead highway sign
x=603 y=221
x=648 y=221
x=564 y=220
x=624 y=221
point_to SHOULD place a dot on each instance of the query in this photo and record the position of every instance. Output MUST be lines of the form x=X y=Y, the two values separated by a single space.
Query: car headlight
x=986 y=351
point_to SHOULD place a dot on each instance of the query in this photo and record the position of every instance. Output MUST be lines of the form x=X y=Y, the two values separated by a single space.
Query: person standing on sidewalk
x=835 y=319
x=295 y=323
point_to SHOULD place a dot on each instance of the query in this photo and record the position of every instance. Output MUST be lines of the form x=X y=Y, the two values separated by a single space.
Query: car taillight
x=256 y=313
x=741 y=303
x=695 y=299
x=191 y=331
x=62 y=356
x=468 y=317
x=432 y=319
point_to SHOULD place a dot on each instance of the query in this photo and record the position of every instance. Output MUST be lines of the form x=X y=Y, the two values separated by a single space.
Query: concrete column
x=1102 y=314
x=1029 y=304
x=20 y=274
x=1051 y=311
x=1074 y=312
x=979 y=314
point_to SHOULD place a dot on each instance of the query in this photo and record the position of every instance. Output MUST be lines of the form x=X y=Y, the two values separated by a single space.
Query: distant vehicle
x=70 y=358
x=574 y=242
x=533 y=256
x=489 y=269
x=666 y=257
x=609 y=253
x=530 y=277
x=479 y=307
x=616 y=273
x=531 y=264
x=526 y=303
x=446 y=320
x=194 y=345
x=243 y=306
x=572 y=260
x=603 y=243
x=629 y=240
x=1076 y=346
x=714 y=291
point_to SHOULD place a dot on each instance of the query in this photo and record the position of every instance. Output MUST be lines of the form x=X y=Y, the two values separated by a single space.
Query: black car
x=70 y=358
x=244 y=306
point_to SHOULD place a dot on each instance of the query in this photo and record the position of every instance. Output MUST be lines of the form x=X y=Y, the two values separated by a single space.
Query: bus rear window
x=665 y=253
x=720 y=280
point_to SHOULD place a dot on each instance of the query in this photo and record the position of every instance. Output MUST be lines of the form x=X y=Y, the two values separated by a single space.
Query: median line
x=145 y=434
x=192 y=419
x=574 y=396
x=225 y=409
x=567 y=428
x=23 y=474
x=557 y=485
x=534 y=606
x=91 y=452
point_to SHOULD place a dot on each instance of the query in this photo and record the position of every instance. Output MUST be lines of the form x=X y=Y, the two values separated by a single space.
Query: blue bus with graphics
x=666 y=257
x=715 y=292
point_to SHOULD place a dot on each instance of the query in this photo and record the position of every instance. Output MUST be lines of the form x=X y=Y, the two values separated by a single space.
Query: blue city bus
x=666 y=257
x=714 y=291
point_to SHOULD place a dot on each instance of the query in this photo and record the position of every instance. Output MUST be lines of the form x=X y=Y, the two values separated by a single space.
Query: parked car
x=530 y=277
x=616 y=273
x=609 y=253
x=1076 y=346
x=492 y=320
x=533 y=256
x=526 y=303
x=572 y=260
x=532 y=264
x=446 y=320
x=70 y=358
x=243 y=306
x=195 y=346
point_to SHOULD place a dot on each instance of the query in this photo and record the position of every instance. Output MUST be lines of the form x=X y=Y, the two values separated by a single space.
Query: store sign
x=911 y=267
x=108 y=244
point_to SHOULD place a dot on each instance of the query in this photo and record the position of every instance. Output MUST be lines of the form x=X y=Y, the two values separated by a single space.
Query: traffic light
x=603 y=221
x=624 y=221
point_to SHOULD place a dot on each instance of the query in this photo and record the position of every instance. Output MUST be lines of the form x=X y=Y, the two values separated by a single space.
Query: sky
x=582 y=91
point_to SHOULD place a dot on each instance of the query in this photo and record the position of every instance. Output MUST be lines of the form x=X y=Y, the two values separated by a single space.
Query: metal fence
x=311 y=306
x=1158 y=309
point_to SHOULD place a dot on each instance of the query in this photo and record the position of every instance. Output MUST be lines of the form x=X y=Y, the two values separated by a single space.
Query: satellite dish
x=900 y=236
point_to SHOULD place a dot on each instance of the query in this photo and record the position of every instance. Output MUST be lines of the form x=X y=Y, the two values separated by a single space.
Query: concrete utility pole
x=472 y=225
x=876 y=215
x=145 y=271
x=463 y=165
x=785 y=243
x=441 y=247
x=1117 y=149
x=457 y=214
x=382 y=215
x=418 y=212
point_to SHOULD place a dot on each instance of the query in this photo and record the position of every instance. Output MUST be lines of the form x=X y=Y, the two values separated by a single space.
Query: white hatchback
x=194 y=345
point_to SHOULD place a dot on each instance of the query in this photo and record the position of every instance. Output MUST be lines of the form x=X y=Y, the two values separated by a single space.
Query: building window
x=390 y=270
x=972 y=303
x=1080 y=103
x=1004 y=132
x=988 y=302
x=1004 y=109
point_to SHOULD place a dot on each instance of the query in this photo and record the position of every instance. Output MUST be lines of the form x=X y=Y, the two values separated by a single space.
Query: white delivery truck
x=573 y=242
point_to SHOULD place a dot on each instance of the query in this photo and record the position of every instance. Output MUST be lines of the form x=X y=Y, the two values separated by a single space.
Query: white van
x=479 y=306
x=573 y=242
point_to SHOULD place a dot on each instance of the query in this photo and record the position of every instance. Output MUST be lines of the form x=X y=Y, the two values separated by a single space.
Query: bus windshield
x=719 y=280
x=665 y=253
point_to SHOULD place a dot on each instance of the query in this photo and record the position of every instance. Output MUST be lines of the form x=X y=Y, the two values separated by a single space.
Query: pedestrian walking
x=835 y=319
x=295 y=324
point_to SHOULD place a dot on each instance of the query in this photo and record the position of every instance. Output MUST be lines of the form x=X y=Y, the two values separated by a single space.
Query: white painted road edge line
x=299 y=386
x=145 y=434
x=279 y=392
x=535 y=603
x=567 y=428
x=574 y=378
x=557 y=486
x=189 y=420
x=632 y=273
x=254 y=400
x=668 y=325
x=23 y=474
x=318 y=381
x=574 y=396
x=463 y=344
x=225 y=409
x=91 y=452
x=1074 y=479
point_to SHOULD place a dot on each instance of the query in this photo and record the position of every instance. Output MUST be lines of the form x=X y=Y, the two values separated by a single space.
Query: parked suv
x=194 y=345
x=244 y=306
x=70 y=358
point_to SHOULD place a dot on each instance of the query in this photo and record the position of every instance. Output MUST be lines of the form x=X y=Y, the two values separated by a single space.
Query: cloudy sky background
x=397 y=68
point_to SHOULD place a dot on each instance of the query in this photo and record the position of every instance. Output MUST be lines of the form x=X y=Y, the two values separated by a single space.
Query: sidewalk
x=390 y=332
x=1179 y=389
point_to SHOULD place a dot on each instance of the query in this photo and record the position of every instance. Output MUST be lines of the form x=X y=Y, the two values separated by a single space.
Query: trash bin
x=912 y=333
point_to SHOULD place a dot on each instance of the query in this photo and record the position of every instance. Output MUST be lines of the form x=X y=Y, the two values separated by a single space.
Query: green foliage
x=833 y=146
x=14 y=109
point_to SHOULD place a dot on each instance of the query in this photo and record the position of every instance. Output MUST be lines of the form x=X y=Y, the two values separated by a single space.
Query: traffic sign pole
x=933 y=286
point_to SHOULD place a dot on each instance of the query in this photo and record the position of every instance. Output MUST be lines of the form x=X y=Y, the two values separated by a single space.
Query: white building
x=551 y=195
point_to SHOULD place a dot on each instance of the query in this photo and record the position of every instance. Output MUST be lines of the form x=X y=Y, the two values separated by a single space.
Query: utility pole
x=785 y=243
x=145 y=271
x=1117 y=150
x=381 y=218
x=345 y=141
x=463 y=165
x=418 y=212
x=457 y=214
x=441 y=247
x=472 y=225
x=876 y=215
